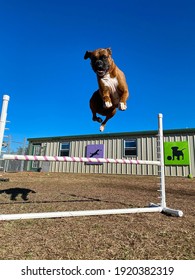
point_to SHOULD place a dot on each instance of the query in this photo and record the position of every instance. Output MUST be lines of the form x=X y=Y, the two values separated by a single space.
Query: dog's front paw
x=122 y=106
x=108 y=104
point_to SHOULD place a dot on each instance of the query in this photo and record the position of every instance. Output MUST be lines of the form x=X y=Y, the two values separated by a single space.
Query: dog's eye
x=104 y=57
x=93 y=58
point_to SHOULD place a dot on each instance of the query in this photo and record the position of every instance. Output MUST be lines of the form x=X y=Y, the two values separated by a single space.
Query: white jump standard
x=161 y=207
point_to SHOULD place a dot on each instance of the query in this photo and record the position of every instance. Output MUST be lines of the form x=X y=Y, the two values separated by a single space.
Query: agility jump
x=161 y=207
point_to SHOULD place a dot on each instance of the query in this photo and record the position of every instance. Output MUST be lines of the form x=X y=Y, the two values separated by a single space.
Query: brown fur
x=103 y=101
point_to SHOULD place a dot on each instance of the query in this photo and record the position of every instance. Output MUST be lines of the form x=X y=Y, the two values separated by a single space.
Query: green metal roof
x=182 y=131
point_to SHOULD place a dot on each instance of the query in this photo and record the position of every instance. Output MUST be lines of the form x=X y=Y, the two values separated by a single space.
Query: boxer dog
x=113 y=89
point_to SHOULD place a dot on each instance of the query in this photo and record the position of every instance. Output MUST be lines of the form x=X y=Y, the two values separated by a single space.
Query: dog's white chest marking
x=112 y=83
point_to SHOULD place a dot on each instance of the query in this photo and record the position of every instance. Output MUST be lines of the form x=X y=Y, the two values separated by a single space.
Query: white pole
x=47 y=215
x=3 y=118
x=79 y=159
x=162 y=167
x=23 y=152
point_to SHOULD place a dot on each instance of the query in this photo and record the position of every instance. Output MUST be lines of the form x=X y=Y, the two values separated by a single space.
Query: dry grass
x=129 y=236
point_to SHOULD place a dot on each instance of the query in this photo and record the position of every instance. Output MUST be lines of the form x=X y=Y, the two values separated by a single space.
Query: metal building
x=180 y=160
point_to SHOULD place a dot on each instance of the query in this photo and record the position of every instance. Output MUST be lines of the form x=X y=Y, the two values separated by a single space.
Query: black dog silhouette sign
x=94 y=151
x=176 y=153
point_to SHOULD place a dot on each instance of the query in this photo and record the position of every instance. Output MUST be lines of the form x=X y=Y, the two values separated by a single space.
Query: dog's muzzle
x=100 y=68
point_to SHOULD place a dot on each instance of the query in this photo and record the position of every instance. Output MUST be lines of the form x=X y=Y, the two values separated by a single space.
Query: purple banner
x=95 y=151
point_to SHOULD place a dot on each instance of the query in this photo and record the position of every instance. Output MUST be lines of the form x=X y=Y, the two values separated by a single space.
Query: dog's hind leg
x=96 y=119
x=94 y=102
x=103 y=124
x=109 y=116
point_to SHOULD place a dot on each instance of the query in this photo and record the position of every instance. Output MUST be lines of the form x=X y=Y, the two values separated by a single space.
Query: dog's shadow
x=15 y=192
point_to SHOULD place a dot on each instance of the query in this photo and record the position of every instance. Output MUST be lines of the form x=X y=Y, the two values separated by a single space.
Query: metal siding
x=114 y=148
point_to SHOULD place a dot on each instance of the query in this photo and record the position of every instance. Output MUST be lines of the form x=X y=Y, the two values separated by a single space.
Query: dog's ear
x=109 y=51
x=87 y=55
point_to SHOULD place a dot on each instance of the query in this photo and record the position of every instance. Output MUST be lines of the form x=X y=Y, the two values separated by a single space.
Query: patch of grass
x=129 y=236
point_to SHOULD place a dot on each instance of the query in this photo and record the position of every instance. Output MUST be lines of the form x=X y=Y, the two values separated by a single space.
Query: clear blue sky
x=42 y=69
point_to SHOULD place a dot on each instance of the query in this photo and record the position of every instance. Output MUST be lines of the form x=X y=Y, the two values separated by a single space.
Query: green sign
x=176 y=153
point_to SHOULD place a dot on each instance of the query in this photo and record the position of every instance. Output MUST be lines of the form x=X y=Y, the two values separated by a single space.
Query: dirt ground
x=113 y=237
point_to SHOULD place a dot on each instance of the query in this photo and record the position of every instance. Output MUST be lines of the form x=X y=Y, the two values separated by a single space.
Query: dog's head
x=174 y=149
x=101 y=60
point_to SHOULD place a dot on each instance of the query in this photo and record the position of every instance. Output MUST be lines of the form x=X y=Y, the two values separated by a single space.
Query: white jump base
x=78 y=213
x=161 y=208
x=46 y=215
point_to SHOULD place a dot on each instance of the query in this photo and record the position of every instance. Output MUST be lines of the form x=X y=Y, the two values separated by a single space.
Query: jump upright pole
x=3 y=118
x=165 y=209
x=162 y=166
x=161 y=207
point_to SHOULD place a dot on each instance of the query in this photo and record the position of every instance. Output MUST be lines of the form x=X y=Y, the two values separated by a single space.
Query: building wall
x=114 y=148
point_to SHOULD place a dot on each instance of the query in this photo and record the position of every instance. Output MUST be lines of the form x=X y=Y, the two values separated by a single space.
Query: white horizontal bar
x=78 y=159
x=46 y=215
